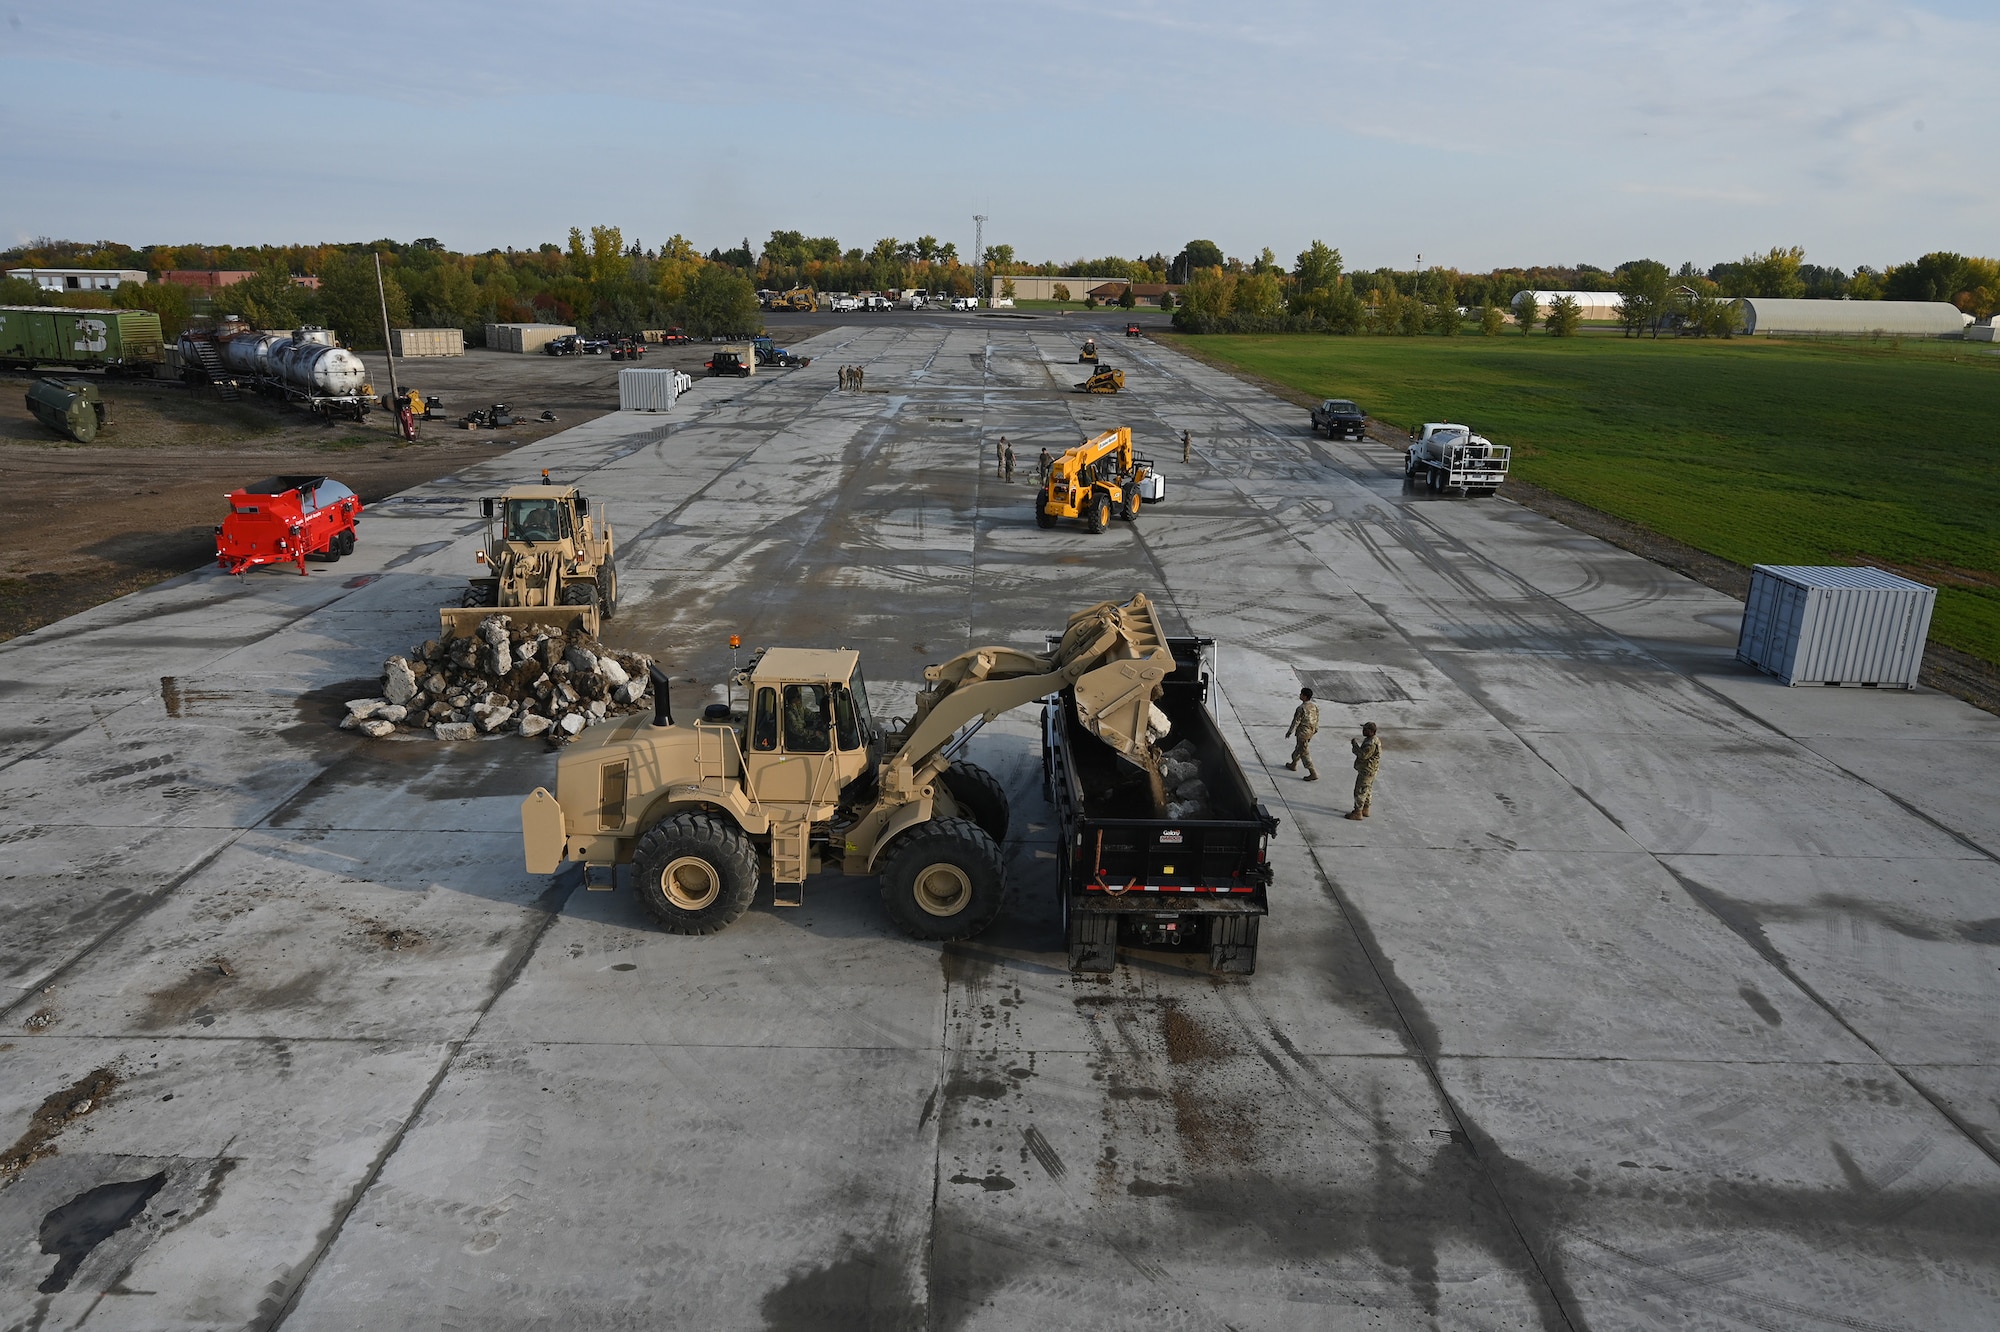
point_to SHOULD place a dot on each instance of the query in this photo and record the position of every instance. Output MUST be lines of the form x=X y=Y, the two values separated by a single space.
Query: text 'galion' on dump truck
x=802 y=776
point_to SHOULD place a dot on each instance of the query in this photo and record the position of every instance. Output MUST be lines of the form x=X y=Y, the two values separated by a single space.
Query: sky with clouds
x=1474 y=134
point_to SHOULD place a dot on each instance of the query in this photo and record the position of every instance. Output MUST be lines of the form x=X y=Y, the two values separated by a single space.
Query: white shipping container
x=1835 y=626
x=650 y=390
x=419 y=342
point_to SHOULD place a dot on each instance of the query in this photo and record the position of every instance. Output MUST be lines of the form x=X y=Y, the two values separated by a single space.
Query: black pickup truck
x=1339 y=418
x=1192 y=875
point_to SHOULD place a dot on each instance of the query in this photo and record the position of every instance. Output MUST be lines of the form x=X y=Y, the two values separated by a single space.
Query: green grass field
x=1760 y=452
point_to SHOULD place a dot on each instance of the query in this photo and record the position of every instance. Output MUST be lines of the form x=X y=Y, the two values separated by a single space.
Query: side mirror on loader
x=486 y=506
x=582 y=507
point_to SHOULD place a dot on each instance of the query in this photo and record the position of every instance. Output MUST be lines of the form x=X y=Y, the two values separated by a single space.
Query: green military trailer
x=119 y=342
x=70 y=407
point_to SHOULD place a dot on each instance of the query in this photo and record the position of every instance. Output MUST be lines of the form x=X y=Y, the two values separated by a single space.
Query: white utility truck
x=1446 y=456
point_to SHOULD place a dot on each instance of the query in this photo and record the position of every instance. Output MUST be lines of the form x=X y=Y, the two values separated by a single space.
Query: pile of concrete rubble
x=1180 y=774
x=504 y=679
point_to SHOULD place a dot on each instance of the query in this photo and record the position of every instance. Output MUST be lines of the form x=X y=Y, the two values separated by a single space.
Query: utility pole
x=388 y=346
x=979 y=259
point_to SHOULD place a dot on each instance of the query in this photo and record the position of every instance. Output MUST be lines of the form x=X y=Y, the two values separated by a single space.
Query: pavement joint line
x=1352 y=916
x=554 y=899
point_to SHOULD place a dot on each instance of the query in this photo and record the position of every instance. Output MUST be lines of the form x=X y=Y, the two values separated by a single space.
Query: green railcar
x=119 y=342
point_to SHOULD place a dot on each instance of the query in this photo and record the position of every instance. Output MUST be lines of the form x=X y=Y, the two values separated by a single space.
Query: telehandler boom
x=803 y=777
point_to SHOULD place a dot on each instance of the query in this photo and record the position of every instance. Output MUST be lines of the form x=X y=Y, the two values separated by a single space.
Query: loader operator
x=533 y=520
x=805 y=719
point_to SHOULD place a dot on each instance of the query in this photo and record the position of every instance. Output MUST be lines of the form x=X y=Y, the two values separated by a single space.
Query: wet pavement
x=1654 y=994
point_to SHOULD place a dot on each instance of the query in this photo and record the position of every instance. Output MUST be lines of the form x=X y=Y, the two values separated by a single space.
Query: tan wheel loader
x=801 y=776
x=550 y=568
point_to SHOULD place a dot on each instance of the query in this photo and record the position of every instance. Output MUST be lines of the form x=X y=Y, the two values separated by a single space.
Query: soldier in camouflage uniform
x=1305 y=725
x=1367 y=762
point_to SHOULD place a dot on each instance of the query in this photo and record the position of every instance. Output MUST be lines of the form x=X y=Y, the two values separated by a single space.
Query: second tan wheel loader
x=549 y=565
x=802 y=776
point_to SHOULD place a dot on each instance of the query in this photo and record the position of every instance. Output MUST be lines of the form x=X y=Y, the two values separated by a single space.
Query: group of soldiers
x=850 y=378
x=1367 y=749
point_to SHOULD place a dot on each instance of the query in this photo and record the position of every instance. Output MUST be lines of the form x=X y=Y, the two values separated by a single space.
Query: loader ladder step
x=788 y=863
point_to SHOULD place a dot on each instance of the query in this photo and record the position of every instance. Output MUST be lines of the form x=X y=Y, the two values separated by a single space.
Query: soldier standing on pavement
x=1009 y=455
x=1305 y=725
x=1042 y=467
x=859 y=375
x=1367 y=762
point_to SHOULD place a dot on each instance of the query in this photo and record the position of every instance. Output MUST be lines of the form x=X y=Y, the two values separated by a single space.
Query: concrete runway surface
x=1653 y=995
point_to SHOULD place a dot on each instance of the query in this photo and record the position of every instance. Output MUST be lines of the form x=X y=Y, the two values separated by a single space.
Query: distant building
x=1143 y=293
x=80 y=279
x=215 y=279
x=1039 y=288
x=1594 y=304
x=1856 y=319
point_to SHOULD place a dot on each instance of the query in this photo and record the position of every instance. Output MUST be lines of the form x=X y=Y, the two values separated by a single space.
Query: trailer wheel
x=944 y=880
x=980 y=797
x=1043 y=518
x=694 y=873
x=1100 y=512
x=348 y=541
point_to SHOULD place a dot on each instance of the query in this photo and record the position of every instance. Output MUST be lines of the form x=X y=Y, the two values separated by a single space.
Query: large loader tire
x=1099 y=512
x=1128 y=507
x=694 y=873
x=579 y=594
x=481 y=595
x=980 y=797
x=1043 y=518
x=944 y=880
x=607 y=588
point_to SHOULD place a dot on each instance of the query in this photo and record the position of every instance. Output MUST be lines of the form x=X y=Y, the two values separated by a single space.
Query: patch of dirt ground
x=86 y=523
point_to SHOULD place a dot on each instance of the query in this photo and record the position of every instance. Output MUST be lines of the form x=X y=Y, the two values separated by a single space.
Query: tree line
x=1317 y=295
x=603 y=283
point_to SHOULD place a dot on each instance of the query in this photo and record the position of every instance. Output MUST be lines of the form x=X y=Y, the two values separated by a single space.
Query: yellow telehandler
x=1093 y=481
x=801 y=776
x=550 y=568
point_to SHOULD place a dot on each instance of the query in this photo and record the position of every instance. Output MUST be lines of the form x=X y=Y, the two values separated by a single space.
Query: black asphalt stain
x=863 y=1288
x=993 y=1183
x=415 y=553
x=1763 y=1007
x=72 y=1230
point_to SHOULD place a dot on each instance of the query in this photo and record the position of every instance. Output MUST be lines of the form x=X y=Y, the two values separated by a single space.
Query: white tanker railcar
x=304 y=366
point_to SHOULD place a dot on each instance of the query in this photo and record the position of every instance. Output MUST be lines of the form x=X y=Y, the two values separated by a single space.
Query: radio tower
x=979 y=258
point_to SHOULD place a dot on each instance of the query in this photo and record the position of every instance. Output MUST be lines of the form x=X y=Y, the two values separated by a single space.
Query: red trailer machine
x=287 y=520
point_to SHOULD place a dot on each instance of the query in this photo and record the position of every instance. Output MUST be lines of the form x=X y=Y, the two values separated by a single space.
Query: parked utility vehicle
x=803 y=776
x=1446 y=456
x=1339 y=418
x=287 y=520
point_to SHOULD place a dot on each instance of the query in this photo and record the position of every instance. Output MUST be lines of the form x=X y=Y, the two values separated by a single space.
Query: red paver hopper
x=287 y=519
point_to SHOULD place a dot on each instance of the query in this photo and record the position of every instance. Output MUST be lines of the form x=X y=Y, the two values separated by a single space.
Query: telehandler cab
x=803 y=776
x=550 y=567
x=1098 y=478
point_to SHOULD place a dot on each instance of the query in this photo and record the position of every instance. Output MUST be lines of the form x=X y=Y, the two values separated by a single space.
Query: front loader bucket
x=464 y=622
x=1127 y=647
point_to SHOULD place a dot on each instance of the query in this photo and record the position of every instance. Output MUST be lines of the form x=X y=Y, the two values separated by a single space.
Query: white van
x=965 y=303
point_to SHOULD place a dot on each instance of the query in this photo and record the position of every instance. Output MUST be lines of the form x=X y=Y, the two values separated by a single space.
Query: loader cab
x=810 y=730
x=538 y=515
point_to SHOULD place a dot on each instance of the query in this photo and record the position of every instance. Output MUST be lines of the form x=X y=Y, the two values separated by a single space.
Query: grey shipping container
x=1835 y=626
x=648 y=390
x=417 y=342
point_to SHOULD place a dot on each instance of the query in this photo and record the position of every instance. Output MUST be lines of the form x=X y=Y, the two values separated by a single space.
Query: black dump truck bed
x=1193 y=874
